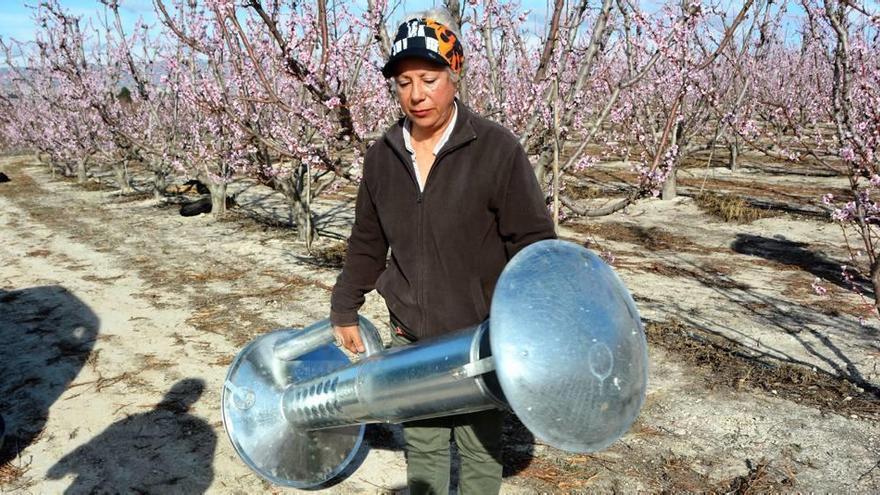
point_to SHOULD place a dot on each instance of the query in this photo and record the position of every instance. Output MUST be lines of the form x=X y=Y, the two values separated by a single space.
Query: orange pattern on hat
x=450 y=48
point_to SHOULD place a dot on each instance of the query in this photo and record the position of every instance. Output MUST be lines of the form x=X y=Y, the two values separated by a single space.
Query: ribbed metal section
x=402 y=384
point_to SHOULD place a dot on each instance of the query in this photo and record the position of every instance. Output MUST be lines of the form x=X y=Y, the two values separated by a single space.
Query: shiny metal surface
x=569 y=346
x=436 y=378
x=566 y=351
x=300 y=342
x=275 y=449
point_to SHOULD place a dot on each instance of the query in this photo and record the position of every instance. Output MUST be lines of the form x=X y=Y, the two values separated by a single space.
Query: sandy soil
x=118 y=319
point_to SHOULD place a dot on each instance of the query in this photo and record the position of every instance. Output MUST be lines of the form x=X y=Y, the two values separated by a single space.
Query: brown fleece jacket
x=481 y=204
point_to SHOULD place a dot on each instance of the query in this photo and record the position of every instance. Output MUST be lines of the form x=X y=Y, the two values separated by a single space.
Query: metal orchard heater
x=564 y=349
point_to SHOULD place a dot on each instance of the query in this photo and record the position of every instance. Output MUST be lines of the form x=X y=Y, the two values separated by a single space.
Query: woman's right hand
x=350 y=338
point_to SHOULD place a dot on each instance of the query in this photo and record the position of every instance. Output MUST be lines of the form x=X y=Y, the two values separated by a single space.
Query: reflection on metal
x=298 y=343
x=566 y=352
x=569 y=347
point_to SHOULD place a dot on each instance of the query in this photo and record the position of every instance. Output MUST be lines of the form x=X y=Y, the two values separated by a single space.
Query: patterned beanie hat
x=427 y=39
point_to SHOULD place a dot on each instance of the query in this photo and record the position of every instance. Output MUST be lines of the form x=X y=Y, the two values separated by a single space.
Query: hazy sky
x=15 y=15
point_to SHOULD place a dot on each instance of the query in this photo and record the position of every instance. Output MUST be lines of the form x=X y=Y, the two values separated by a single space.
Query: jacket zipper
x=423 y=270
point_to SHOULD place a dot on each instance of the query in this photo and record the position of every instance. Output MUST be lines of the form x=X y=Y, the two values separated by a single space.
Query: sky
x=15 y=15
x=16 y=22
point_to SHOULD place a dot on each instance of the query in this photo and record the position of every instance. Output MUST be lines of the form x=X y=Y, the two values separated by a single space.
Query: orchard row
x=290 y=93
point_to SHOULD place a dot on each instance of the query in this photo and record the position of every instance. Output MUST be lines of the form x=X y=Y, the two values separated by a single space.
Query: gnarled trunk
x=123 y=180
x=218 y=199
x=305 y=222
x=734 y=155
x=298 y=194
x=160 y=183
x=82 y=172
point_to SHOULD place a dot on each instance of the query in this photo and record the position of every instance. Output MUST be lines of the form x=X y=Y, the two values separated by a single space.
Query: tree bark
x=734 y=155
x=160 y=183
x=305 y=225
x=875 y=283
x=218 y=199
x=82 y=172
x=669 y=187
x=120 y=170
x=295 y=189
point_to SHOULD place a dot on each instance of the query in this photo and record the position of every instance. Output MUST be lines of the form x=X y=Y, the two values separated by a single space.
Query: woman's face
x=426 y=94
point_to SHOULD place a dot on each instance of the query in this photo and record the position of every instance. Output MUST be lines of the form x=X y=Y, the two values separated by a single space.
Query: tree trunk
x=875 y=283
x=305 y=223
x=123 y=181
x=669 y=190
x=218 y=199
x=82 y=172
x=298 y=200
x=160 y=183
x=734 y=155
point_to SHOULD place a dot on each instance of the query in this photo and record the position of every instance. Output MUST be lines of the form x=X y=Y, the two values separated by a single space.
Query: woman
x=453 y=196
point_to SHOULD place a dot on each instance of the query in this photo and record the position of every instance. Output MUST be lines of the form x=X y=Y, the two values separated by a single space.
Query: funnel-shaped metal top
x=568 y=345
x=261 y=435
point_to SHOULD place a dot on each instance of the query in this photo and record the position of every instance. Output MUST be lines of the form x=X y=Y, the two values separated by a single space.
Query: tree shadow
x=810 y=329
x=164 y=450
x=796 y=254
x=270 y=209
x=46 y=337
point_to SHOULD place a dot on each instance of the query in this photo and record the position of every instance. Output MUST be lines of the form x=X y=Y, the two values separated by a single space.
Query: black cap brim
x=416 y=52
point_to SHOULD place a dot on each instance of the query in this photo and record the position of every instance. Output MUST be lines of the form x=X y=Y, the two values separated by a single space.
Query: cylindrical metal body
x=567 y=354
x=402 y=384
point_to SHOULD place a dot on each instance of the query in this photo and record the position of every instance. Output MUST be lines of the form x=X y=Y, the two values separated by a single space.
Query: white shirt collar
x=407 y=139
x=407 y=132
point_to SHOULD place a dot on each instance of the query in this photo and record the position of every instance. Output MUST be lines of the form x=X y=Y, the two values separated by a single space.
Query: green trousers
x=478 y=437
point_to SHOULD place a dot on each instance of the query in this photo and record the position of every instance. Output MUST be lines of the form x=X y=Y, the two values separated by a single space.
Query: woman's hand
x=350 y=338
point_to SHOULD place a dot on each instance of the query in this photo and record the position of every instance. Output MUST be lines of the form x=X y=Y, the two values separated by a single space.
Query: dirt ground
x=119 y=317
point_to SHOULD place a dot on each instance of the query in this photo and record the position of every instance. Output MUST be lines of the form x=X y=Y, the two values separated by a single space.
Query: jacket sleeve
x=523 y=217
x=364 y=262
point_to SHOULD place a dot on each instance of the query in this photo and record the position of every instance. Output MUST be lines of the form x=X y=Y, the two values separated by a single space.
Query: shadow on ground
x=815 y=332
x=797 y=254
x=163 y=450
x=46 y=337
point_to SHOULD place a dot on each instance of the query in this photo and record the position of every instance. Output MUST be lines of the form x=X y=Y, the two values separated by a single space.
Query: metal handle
x=302 y=342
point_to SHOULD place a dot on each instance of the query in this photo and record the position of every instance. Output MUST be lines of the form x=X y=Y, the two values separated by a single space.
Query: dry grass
x=762 y=477
x=707 y=275
x=730 y=208
x=152 y=362
x=10 y=473
x=578 y=191
x=332 y=256
x=231 y=320
x=651 y=238
x=39 y=253
x=96 y=186
x=132 y=197
x=726 y=363
x=837 y=302
x=214 y=274
x=103 y=280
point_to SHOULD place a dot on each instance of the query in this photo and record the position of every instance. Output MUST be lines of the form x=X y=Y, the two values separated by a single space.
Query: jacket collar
x=462 y=133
